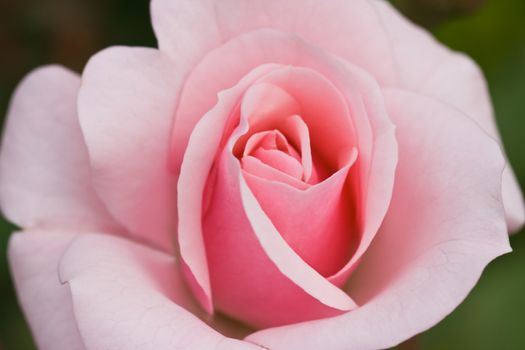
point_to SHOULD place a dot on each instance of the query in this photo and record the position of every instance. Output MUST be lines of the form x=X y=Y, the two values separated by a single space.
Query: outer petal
x=451 y=77
x=445 y=223
x=34 y=257
x=189 y=29
x=128 y=296
x=45 y=176
x=126 y=109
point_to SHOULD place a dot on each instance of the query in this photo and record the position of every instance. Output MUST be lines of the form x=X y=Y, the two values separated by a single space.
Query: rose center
x=282 y=154
x=294 y=141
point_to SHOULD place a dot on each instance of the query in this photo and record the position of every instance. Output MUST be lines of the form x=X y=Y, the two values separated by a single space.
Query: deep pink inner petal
x=273 y=149
x=292 y=163
x=318 y=224
x=191 y=187
x=308 y=117
x=280 y=161
x=297 y=130
x=256 y=167
x=341 y=112
x=308 y=110
x=273 y=139
x=256 y=277
x=265 y=107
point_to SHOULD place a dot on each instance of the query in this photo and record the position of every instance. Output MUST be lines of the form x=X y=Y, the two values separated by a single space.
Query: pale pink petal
x=265 y=105
x=45 y=176
x=380 y=155
x=513 y=200
x=128 y=296
x=188 y=29
x=445 y=224
x=33 y=257
x=126 y=108
x=428 y=67
x=195 y=169
x=216 y=73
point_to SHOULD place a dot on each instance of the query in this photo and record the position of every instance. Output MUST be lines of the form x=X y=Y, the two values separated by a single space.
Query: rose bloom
x=277 y=175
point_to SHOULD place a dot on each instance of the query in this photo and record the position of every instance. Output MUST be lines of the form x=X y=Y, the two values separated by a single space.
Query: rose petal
x=286 y=260
x=199 y=157
x=445 y=223
x=266 y=105
x=216 y=73
x=365 y=125
x=126 y=108
x=254 y=167
x=378 y=154
x=370 y=34
x=45 y=176
x=324 y=240
x=297 y=130
x=280 y=161
x=127 y=295
x=195 y=169
x=374 y=132
x=380 y=157
x=188 y=29
x=33 y=257
x=453 y=78
x=321 y=106
x=267 y=140
x=255 y=275
x=193 y=28
x=324 y=110
x=256 y=252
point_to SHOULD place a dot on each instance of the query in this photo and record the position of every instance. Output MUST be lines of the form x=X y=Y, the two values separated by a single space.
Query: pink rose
x=321 y=161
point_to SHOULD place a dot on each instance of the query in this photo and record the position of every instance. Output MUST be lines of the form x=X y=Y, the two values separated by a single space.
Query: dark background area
x=37 y=32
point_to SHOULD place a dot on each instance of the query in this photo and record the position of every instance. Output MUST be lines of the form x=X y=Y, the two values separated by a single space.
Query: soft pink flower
x=273 y=162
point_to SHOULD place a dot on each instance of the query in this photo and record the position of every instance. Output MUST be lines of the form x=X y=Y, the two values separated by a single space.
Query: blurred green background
x=36 y=32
